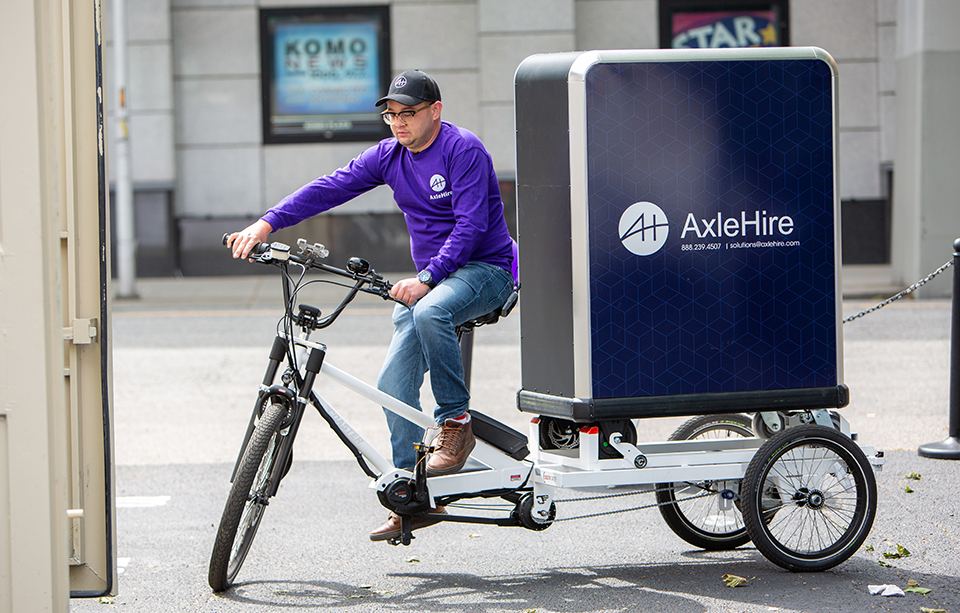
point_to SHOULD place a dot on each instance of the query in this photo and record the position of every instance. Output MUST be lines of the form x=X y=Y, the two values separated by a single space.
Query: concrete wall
x=195 y=87
x=926 y=211
x=150 y=89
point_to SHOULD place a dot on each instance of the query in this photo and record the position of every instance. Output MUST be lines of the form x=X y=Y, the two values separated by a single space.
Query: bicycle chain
x=603 y=497
x=909 y=290
x=641 y=507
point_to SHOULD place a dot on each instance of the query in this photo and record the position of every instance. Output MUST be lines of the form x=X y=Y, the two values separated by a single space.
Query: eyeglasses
x=390 y=118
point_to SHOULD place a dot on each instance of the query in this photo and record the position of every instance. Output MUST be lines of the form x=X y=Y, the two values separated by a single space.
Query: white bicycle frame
x=640 y=464
x=500 y=471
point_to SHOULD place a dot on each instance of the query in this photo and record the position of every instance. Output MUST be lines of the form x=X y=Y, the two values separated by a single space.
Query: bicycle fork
x=295 y=404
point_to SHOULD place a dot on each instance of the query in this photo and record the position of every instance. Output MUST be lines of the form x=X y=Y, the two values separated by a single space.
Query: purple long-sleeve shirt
x=448 y=193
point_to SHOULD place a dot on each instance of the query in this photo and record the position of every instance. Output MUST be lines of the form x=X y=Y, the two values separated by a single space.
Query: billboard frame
x=325 y=122
x=668 y=8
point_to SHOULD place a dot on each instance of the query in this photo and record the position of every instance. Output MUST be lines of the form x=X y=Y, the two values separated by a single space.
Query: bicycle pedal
x=397 y=540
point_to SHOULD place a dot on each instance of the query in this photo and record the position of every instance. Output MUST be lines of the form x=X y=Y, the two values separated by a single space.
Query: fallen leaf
x=412 y=560
x=885 y=564
x=926 y=610
x=908 y=490
x=918 y=590
x=914 y=476
x=901 y=552
x=869 y=547
x=734 y=581
x=912 y=583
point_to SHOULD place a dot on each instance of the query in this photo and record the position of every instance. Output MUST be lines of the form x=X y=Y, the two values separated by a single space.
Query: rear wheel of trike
x=823 y=491
x=247 y=500
x=705 y=513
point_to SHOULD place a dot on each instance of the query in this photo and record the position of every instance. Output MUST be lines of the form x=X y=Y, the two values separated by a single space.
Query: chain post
x=949 y=448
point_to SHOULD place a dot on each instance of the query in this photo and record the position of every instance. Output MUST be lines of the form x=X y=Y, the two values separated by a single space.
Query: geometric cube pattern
x=738 y=155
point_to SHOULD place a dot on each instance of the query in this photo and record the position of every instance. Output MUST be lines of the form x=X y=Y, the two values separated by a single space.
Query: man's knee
x=429 y=317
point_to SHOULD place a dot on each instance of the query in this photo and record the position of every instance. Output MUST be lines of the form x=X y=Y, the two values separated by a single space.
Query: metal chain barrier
x=909 y=290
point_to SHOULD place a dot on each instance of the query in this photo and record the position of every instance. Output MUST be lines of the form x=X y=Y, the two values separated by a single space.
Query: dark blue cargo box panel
x=679 y=232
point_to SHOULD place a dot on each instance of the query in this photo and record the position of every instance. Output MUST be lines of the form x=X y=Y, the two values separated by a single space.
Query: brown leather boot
x=391 y=528
x=453 y=447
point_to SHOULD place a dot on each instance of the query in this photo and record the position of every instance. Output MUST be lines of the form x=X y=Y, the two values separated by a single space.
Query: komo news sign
x=323 y=70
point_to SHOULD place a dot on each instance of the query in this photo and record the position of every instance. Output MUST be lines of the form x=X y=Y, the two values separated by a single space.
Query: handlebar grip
x=258 y=249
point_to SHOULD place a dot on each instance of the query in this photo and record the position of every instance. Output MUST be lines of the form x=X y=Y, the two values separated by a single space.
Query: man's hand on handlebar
x=409 y=291
x=243 y=241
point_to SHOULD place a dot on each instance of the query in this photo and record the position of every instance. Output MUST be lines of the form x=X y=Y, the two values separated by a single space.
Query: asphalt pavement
x=188 y=356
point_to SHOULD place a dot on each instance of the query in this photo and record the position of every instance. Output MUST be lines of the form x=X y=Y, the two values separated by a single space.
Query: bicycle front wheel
x=247 y=500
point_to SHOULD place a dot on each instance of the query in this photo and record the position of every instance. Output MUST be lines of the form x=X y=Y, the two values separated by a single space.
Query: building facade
x=200 y=166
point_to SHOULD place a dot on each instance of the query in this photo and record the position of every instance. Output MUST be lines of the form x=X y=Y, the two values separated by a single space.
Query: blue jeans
x=425 y=339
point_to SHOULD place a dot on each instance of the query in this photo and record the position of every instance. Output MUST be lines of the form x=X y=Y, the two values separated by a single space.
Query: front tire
x=824 y=493
x=247 y=500
x=713 y=521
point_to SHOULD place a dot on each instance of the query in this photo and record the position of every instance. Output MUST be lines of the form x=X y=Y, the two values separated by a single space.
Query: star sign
x=769 y=34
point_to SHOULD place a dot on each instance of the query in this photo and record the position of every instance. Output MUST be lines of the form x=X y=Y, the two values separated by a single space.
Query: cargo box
x=678 y=217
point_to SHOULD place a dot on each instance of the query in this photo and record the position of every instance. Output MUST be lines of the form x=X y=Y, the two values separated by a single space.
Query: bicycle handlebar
x=358 y=270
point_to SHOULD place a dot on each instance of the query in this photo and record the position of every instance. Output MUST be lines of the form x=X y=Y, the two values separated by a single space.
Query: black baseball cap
x=411 y=87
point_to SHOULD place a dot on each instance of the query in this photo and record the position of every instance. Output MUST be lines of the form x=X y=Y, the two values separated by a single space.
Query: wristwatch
x=426 y=278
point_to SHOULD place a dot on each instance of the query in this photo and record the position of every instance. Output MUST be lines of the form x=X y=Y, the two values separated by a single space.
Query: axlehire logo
x=643 y=228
